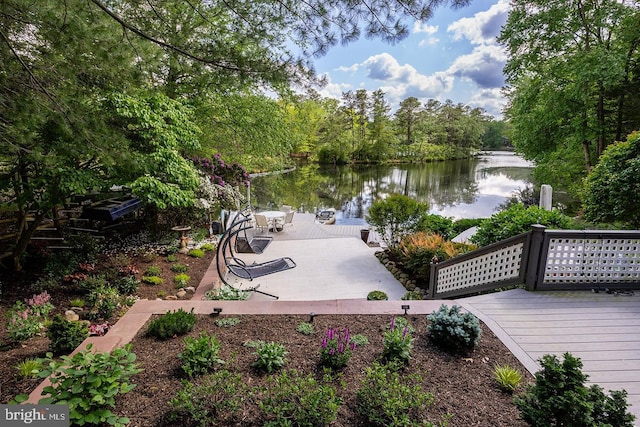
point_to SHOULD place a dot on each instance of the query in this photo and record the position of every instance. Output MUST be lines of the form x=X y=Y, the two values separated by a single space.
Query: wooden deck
x=602 y=329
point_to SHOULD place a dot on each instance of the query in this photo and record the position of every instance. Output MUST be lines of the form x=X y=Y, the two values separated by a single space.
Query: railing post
x=432 y=281
x=534 y=253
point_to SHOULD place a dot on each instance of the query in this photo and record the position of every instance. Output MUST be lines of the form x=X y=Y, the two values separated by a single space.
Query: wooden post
x=534 y=254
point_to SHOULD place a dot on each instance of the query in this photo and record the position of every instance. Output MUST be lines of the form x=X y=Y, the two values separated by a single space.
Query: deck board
x=602 y=329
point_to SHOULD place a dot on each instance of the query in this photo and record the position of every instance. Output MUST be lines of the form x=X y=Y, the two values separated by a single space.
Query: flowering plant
x=336 y=348
x=99 y=329
x=398 y=342
x=26 y=320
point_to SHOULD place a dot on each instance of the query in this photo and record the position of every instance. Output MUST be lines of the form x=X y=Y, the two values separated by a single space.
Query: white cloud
x=483 y=27
x=419 y=27
x=483 y=65
x=333 y=90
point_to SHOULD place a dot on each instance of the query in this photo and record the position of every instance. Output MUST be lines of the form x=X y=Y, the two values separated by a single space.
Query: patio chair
x=286 y=208
x=249 y=243
x=288 y=219
x=261 y=222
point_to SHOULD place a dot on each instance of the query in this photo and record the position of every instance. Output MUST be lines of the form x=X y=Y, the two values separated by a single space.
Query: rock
x=77 y=309
x=171 y=297
x=181 y=293
x=190 y=289
x=71 y=316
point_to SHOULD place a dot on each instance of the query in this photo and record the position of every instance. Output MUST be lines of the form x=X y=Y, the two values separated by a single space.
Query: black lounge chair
x=249 y=243
x=239 y=267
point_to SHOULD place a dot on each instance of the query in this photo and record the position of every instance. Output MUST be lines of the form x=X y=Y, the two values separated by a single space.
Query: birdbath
x=183 y=238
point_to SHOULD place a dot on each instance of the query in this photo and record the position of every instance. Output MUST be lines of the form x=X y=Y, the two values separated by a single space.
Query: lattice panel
x=499 y=265
x=582 y=260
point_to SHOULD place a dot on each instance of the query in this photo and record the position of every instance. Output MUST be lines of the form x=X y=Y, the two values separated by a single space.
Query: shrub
x=127 y=285
x=452 y=330
x=517 y=219
x=172 y=257
x=65 y=336
x=387 y=400
x=200 y=354
x=436 y=224
x=88 y=383
x=227 y=293
x=377 y=296
x=207 y=247
x=152 y=280
x=181 y=280
x=216 y=400
x=104 y=302
x=508 y=378
x=227 y=322
x=359 y=340
x=610 y=191
x=271 y=355
x=412 y=296
x=179 y=268
x=305 y=328
x=29 y=368
x=196 y=253
x=291 y=399
x=171 y=324
x=395 y=216
x=25 y=320
x=397 y=342
x=560 y=397
x=336 y=348
x=77 y=302
x=153 y=270
x=464 y=224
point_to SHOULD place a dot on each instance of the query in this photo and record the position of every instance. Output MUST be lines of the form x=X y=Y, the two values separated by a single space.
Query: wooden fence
x=543 y=260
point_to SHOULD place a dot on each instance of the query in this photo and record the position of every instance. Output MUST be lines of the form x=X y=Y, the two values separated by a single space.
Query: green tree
x=395 y=216
x=570 y=72
x=406 y=118
x=381 y=135
x=612 y=189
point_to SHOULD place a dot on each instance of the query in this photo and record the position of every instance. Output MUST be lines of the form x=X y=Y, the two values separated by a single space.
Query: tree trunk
x=25 y=232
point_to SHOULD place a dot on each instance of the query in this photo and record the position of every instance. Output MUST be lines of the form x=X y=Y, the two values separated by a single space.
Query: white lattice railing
x=544 y=259
x=589 y=260
x=495 y=264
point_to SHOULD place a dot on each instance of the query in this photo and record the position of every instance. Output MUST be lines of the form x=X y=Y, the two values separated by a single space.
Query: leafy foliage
x=377 y=296
x=200 y=354
x=89 y=382
x=305 y=328
x=29 y=368
x=26 y=320
x=270 y=355
x=395 y=216
x=508 y=378
x=64 y=335
x=217 y=399
x=517 y=219
x=291 y=398
x=336 y=348
x=228 y=293
x=173 y=323
x=397 y=343
x=181 y=280
x=453 y=330
x=612 y=189
x=387 y=399
x=560 y=397
x=437 y=224
x=104 y=302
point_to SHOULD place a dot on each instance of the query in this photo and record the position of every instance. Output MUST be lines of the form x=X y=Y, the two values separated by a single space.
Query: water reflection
x=469 y=188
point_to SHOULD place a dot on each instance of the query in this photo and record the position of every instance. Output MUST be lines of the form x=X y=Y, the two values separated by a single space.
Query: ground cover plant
x=237 y=393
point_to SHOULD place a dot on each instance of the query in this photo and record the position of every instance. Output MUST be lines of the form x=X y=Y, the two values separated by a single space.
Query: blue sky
x=452 y=56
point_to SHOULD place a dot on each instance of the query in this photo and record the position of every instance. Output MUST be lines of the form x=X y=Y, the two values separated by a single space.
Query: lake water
x=470 y=188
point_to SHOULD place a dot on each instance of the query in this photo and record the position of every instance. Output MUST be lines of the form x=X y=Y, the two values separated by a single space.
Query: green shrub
x=517 y=219
x=181 y=280
x=559 y=397
x=65 y=336
x=207 y=247
x=153 y=270
x=305 y=328
x=453 y=330
x=227 y=322
x=397 y=343
x=91 y=283
x=171 y=324
x=436 y=224
x=359 y=340
x=104 y=303
x=386 y=399
x=88 y=383
x=227 y=293
x=29 y=368
x=293 y=399
x=26 y=320
x=200 y=354
x=508 y=378
x=336 y=348
x=395 y=216
x=127 y=285
x=179 y=268
x=196 y=253
x=270 y=355
x=377 y=296
x=610 y=191
x=173 y=257
x=77 y=302
x=152 y=280
x=412 y=296
x=218 y=399
x=464 y=224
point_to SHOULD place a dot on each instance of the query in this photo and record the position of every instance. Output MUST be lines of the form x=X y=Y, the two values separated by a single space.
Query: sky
x=453 y=56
